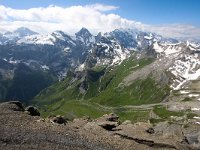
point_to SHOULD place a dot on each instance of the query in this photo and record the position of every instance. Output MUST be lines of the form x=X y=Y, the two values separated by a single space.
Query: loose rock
x=59 y=119
x=150 y=130
x=111 y=117
x=108 y=125
x=33 y=111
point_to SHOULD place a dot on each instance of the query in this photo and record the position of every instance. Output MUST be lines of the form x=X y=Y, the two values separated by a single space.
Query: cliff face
x=20 y=130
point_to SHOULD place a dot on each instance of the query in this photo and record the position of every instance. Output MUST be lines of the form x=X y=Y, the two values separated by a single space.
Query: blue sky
x=155 y=12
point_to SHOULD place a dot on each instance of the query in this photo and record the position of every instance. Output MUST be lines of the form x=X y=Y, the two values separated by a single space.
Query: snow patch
x=67 y=49
x=38 y=39
x=148 y=37
x=45 y=67
x=81 y=67
x=158 y=48
x=184 y=92
x=186 y=68
x=195 y=109
x=193 y=95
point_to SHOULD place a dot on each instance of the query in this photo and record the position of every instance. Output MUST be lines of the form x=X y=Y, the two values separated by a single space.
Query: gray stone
x=111 y=117
x=33 y=111
x=59 y=119
x=15 y=105
x=108 y=125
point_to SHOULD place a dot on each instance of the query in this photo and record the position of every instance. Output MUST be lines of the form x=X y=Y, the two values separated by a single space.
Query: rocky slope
x=20 y=130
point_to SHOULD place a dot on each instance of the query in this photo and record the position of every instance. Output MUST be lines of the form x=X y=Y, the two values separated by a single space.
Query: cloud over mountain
x=96 y=18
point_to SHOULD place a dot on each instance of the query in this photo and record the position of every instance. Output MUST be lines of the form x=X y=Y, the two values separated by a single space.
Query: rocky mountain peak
x=83 y=33
x=85 y=37
x=23 y=31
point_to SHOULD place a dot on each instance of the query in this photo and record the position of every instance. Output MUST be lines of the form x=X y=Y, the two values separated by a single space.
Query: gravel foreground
x=21 y=131
x=18 y=130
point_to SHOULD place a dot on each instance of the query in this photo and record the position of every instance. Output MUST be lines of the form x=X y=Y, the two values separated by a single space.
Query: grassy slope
x=142 y=91
x=74 y=109
x=64 y=98
x=165 y=114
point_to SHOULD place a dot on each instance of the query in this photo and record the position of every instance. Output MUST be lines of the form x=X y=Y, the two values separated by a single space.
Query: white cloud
x=72 y=19
x=100 y=7
x=68 y=19
x=183 y=31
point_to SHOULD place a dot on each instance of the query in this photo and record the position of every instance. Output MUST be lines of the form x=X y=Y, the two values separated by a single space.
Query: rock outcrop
x=33 y=111
x=12 y=106
x=108 y=121
x=58 y=119
x=193 y=139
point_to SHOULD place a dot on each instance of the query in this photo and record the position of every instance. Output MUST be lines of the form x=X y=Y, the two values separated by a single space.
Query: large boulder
x=16 y=106
x=111 y=117
x=150 y=130
x=58 y=119
x=193 y=139
x=108 y=125
x=33 y=111
x=12 y=106
x=108 y=121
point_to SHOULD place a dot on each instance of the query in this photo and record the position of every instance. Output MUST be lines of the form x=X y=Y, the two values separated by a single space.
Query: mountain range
x=118 y=68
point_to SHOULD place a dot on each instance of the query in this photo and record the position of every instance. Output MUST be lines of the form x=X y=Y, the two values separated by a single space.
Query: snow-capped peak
x=22 y=32
x=49 y=39
x=13 y=37
x=19 y=33
x=83 y=33
x=85 y=37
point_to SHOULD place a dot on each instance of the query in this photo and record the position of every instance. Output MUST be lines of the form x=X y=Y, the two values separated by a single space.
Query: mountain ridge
x=58 y=53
